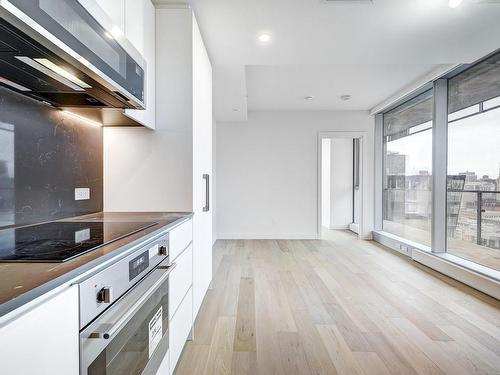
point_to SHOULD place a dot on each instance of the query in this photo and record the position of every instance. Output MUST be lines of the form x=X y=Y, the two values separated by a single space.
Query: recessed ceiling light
x=264 y=38
x=454 y=3
x=309 y=97
x=345 y=97
x=236 y=110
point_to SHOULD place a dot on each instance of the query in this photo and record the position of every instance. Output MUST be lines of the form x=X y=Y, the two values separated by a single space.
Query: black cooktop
x=62 y=240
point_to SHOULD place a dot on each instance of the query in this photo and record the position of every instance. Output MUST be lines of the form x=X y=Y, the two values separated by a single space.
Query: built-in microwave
x=68 y=53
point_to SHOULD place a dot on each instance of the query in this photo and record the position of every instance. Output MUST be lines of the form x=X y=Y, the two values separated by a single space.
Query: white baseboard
x=354 y=227
x=366 y=236
x=267 y=236
x=339 y=226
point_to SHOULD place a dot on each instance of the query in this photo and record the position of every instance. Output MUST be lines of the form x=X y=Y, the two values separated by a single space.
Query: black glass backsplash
x=44 y=155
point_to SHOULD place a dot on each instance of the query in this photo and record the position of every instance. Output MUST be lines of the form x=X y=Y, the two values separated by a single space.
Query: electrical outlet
x=405 y=249
x=82 y=194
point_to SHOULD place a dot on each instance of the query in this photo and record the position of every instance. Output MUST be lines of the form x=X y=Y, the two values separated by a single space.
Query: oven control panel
x=105 y=287
x=137 y=265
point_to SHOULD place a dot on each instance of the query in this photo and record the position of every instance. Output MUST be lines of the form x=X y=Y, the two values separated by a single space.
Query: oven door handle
x=137 y=304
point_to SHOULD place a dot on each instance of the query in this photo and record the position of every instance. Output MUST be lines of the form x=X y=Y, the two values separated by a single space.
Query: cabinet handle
x=206 y=177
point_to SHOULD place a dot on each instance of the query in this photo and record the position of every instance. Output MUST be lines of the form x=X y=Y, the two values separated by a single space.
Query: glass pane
x=408 y=170
x=464 y=113
x=130 y=350
x=473 y=213
x=407 y=117
x=492 y=103
x=7 y=187
x=475 y=85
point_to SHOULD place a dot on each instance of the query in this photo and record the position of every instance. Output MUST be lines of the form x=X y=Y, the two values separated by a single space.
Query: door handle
x=206 y=177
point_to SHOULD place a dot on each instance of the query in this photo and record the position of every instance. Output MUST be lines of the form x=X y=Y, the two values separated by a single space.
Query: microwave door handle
x=136 y=306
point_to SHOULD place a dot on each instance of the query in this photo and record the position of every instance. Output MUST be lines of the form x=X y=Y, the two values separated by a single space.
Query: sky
x=473 y=145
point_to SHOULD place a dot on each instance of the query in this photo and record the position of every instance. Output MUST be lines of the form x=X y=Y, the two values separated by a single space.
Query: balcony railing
x=479 y=209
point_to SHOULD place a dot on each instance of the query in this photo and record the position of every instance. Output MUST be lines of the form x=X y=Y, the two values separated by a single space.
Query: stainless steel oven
x=130 y=336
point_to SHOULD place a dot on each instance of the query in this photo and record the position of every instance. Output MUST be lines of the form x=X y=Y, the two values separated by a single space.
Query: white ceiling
x=326 y=50
x=284 y=87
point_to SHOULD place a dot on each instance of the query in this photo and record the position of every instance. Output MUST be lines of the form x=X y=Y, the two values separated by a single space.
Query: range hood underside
x=105 y=116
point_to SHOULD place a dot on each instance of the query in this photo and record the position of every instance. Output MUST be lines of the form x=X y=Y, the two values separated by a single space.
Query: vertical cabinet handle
x=206 y=177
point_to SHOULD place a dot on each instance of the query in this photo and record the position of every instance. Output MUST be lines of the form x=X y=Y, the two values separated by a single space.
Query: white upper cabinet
x=136 y=19
x=135 y=22
x=115 y=9
x=140 y=31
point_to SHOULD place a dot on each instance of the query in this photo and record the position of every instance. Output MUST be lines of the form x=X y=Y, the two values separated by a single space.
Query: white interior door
x=356 y=183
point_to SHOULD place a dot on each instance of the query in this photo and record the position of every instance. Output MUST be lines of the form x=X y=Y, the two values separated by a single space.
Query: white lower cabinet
x=180 y=293
x=179 y=329
x=181 y=279
x=179 y=238
x=44 y=340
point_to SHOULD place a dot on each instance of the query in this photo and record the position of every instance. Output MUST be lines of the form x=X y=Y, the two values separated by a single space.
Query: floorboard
x=337 y=306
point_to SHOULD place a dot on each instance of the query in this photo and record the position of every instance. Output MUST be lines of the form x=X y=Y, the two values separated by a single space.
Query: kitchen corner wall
x=153 y=170
x=44 y=155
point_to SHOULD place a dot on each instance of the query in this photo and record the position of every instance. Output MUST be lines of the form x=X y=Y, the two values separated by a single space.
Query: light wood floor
x=338 y=306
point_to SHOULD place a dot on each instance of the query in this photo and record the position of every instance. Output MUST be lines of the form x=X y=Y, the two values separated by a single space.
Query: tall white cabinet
x=184 y=114
x=164 y=169
x=202 y=168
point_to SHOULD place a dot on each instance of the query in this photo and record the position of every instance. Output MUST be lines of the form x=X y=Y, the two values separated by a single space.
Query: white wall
x=153 y=171
x=325 y=182
x=341 y=183
x=267 y=172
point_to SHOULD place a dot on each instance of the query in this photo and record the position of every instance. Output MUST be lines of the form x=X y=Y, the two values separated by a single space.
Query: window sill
x=475 y=275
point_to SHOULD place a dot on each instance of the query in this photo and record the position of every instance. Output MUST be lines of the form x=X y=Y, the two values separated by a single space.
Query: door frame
x=362 y=136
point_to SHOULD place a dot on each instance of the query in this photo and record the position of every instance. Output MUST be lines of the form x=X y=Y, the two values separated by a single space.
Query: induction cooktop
x=61 y=241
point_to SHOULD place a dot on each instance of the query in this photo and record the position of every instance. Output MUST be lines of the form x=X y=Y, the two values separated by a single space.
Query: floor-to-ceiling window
x=465 y=155
x=407 y=193
x=473 y=202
